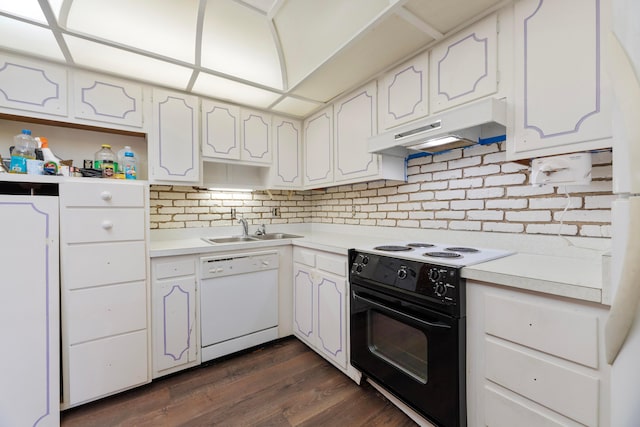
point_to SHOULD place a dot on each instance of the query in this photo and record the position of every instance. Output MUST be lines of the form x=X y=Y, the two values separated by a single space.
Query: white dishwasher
x=238 y=302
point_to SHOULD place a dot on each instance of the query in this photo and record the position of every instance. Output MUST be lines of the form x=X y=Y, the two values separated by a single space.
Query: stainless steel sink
x=229 y=239
x=275 y=236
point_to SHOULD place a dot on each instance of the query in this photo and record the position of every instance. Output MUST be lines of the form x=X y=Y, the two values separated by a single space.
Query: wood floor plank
x=279 y=384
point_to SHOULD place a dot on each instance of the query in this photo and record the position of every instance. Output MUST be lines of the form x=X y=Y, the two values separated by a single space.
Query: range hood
x=459 y=127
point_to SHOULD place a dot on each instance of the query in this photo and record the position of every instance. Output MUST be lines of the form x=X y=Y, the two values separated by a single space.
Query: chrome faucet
x=245 y=227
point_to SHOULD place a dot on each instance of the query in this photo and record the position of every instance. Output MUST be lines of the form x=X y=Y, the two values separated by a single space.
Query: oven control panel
x=439 y=284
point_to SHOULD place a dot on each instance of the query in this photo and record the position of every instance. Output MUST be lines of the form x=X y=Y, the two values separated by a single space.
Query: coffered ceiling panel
x=32 y=39
x=246 y=51
x=164 y=27
x=100 y=58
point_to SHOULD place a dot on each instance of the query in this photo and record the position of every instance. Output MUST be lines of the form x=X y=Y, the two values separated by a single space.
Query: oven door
x=415 y=353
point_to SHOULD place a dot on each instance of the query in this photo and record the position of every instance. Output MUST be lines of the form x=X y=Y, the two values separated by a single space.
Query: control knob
x=434 y=274
x=440 y=289
x=358 y=268
x=402 y=273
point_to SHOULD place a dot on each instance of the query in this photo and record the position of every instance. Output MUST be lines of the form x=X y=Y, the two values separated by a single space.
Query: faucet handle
x=261 y=231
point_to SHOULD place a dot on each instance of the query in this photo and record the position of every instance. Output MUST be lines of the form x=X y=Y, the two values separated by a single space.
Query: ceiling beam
x=55 y=29
x=202 y=5
x=275 y=8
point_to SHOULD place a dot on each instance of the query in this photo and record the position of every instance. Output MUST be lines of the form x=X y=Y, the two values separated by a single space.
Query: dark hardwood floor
x=280 y=384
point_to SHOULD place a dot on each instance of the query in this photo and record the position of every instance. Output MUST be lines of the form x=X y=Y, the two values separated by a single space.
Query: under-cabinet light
x=451 y=141
x=231 y=190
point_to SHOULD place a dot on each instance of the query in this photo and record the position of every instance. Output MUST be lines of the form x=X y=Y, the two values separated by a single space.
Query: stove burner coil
x=420 y=245
x=442 y=254
x=392 y=248
x=463 y=249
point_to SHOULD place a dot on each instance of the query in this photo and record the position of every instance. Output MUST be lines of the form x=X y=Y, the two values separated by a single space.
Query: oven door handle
x=399 y=313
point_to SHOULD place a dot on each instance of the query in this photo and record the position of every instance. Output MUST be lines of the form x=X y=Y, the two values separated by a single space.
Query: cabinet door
x=318 y=149
x=32 y=86
x=404 y=93
x=562 y=98
x=220 y=130
x=174 y=148
x=331 y=319
x=464 y=67
x=354 y=122
x=102 y=99
x=29 y=313
x=286 y=172
x=174 y=323
x=303 y=304
x=256 y=136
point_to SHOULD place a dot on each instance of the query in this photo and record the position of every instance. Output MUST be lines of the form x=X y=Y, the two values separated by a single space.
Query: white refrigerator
x=622 y=332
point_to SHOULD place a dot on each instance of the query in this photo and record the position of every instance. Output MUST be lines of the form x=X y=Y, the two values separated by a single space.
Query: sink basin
x=275 y=236
x=229 y=239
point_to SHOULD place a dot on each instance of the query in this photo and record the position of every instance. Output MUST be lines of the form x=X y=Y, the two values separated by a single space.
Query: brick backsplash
x=473 y=189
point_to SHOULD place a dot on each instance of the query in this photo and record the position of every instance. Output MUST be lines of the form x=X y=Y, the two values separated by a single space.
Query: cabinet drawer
x=103 y=367
x=101 y=194
x=335 y=264
x=85 y=266
x=502 y=411
x=100 y=312
x=173 y=268
x=561 y=332
x=102 y=225
x=304 y=256
x=563 y=390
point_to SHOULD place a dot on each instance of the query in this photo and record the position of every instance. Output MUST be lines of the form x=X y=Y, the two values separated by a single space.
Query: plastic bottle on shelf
x=105 y=161
x=24 y=148
x=120 y=158
x=129 y=165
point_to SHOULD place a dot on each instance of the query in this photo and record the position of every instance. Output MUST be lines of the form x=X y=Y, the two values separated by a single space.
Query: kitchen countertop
x=547 y=264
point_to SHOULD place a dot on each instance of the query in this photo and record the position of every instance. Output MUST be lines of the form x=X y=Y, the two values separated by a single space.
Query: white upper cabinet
x=464 y=67
x=174 y=144
x=255 y=133
x=286 y=171
x=318 y=148
x=354 y=122
x=404 y=93
x=336 y=143
x=32 y=87
x=562 y=97
x=104 y=99
x=220 y=130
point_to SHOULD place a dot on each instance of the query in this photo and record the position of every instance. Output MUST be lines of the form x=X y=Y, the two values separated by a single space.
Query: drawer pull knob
x=107 y=225
x=105 y=195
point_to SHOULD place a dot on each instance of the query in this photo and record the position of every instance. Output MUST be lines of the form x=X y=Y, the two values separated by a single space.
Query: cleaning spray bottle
x=51 y=161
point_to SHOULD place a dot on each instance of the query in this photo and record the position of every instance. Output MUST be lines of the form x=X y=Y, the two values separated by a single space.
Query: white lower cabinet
x=29 y=312
x=320 y=307
x=104 y=288
x=174 y=314
x=534 y=360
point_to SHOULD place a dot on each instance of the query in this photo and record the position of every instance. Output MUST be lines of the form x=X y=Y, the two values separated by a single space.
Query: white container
x=35 y=167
